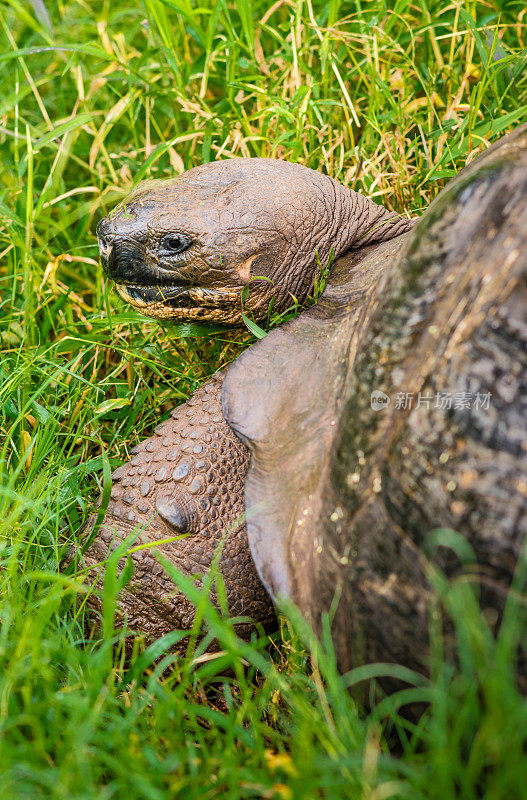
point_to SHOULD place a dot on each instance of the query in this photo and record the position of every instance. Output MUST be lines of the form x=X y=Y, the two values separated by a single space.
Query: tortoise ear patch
x=179 y=514
x=244 y=269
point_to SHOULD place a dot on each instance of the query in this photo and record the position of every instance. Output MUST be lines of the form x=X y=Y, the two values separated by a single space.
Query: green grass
x=391 y=99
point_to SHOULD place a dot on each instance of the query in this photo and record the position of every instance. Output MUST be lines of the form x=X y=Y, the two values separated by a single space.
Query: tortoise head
x=186 y=248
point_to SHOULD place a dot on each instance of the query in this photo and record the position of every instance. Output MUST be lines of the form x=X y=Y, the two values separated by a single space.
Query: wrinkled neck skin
x=339 y=221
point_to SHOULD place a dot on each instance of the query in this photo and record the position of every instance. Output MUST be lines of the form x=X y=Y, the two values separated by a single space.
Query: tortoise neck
x=362 y=222
x=343 y=220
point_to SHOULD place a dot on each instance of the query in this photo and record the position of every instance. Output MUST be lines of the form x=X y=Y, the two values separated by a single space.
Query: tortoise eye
x=175 y=243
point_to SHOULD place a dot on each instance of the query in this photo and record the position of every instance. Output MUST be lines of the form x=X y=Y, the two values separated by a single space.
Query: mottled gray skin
x=187 y=247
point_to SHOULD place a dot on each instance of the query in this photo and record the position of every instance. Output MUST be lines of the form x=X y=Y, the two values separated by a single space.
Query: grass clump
x=389 y=98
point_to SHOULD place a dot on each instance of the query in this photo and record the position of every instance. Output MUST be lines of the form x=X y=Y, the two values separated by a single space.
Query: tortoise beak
x=126 y=263
x=122 y=257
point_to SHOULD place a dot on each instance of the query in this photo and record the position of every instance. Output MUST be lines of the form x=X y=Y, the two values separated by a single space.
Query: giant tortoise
x=393 y=407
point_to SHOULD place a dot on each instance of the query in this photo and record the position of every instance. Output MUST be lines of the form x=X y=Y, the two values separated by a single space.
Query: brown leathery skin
x=187 y=247
x=186 y=479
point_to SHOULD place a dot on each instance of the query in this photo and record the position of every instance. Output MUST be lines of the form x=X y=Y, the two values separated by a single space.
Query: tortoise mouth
x=178 y=297
x=149 y=295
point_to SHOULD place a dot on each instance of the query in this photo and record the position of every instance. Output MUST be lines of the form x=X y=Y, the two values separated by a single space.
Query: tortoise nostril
x=104 y=239
x=105 y=246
